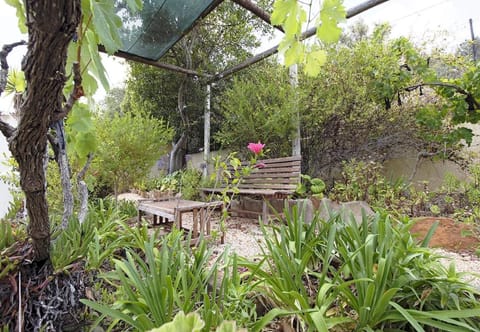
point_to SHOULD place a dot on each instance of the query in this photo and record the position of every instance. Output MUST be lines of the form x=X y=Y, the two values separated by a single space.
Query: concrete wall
x=195 y=160
x=432 y=171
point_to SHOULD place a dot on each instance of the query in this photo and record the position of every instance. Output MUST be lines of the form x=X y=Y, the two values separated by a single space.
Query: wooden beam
x=162 y=65
x=306 y=34
x=257 y=11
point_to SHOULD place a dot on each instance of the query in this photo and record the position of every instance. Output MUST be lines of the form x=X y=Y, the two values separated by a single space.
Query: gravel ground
x=464 y=262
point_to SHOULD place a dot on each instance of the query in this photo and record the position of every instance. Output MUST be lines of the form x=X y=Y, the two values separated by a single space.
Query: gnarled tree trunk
x=51 y=26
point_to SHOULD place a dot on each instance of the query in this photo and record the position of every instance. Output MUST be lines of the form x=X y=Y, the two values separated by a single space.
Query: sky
x=417 y=19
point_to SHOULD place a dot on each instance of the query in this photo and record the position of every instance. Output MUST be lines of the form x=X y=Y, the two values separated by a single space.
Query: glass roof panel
x=152 y=31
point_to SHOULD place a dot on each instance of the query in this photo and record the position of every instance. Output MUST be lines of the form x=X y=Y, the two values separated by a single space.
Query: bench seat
x=276 y=179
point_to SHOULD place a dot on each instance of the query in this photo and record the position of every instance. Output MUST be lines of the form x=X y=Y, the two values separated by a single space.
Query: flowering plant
x=230 y=173
x=256 y=148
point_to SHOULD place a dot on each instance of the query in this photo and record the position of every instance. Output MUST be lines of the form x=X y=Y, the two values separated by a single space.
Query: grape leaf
x=331 y=14
x=334 y=10
x=314 y=61
x=329 y=32
x=293 y=22
x=294 y=53
x=97 y=69
x=281 y=8
x=18 y=5
x=107 y=24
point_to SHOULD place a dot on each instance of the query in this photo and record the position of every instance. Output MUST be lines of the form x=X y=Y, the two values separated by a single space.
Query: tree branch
x=470 y=99
x=420 y=156
x=83 y=190
x=76 y=93
x=6 y=49
x=257 y=11
x=6 y=129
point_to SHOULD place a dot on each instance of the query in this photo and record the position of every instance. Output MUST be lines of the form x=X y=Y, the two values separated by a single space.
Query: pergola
x=149 y=34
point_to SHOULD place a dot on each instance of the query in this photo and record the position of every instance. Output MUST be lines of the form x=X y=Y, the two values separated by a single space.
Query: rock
x=327 y=208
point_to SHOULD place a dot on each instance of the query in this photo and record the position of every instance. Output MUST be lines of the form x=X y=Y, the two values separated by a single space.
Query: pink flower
x=256 y=147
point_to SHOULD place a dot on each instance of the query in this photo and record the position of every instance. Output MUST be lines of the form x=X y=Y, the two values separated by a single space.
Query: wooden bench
x=277 y=179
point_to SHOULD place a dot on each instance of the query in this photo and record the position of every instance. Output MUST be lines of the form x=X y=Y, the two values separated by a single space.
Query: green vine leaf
x=281 y=9
x=97 y=68
x=294 y=53
x=331 y=14
x=20 y=11
x=291 y=16
x=107 y=24
x=314 y=61
x=81 y=131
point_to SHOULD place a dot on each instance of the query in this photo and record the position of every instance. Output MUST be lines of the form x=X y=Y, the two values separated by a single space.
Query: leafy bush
x=367 y=276
x=128 y=147
x=97 y=239
x=153 y=285
x=191 y=182
x=264 y=113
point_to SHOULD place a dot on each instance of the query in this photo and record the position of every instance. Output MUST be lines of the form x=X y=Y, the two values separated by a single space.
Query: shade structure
x=151 y=32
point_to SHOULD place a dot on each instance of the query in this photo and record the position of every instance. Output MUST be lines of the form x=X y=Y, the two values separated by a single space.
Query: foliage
x=296 y=259
x=186 y=182
x=360 y=181
x=15 y=82
x=12 y=179
x=258 y=105
x=100 y=26
x=356 y=107
x=71 y=244
x=359 y=275
x=192 y=322
x=153 y=286
x=310 y=186
x=128 y=147
x=6 y=234
x=291 y=16
x=81 y=135
x=182 y=323
x=95 y=240
x=394 y=263
x=191 y=180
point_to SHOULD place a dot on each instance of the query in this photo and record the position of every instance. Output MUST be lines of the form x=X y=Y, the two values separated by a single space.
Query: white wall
x=5 y=196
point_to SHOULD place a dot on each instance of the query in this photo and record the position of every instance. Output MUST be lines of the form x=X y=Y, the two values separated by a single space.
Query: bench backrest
x=277 y=174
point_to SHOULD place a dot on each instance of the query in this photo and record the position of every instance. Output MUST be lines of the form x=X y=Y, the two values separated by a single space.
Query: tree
x=52 y=26
x=258 y=106
x=111 y=104
x=221 y=39
x=43 y=101
x=465 y=49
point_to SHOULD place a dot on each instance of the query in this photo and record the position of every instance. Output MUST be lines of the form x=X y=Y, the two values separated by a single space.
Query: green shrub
x=128 y=147
x=367 y=276
x=154 y=284
x=191 y=179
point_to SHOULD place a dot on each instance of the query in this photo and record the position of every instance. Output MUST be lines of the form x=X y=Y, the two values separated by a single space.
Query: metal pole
x=474 y=43
x=296 y=143
x=206 y=132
